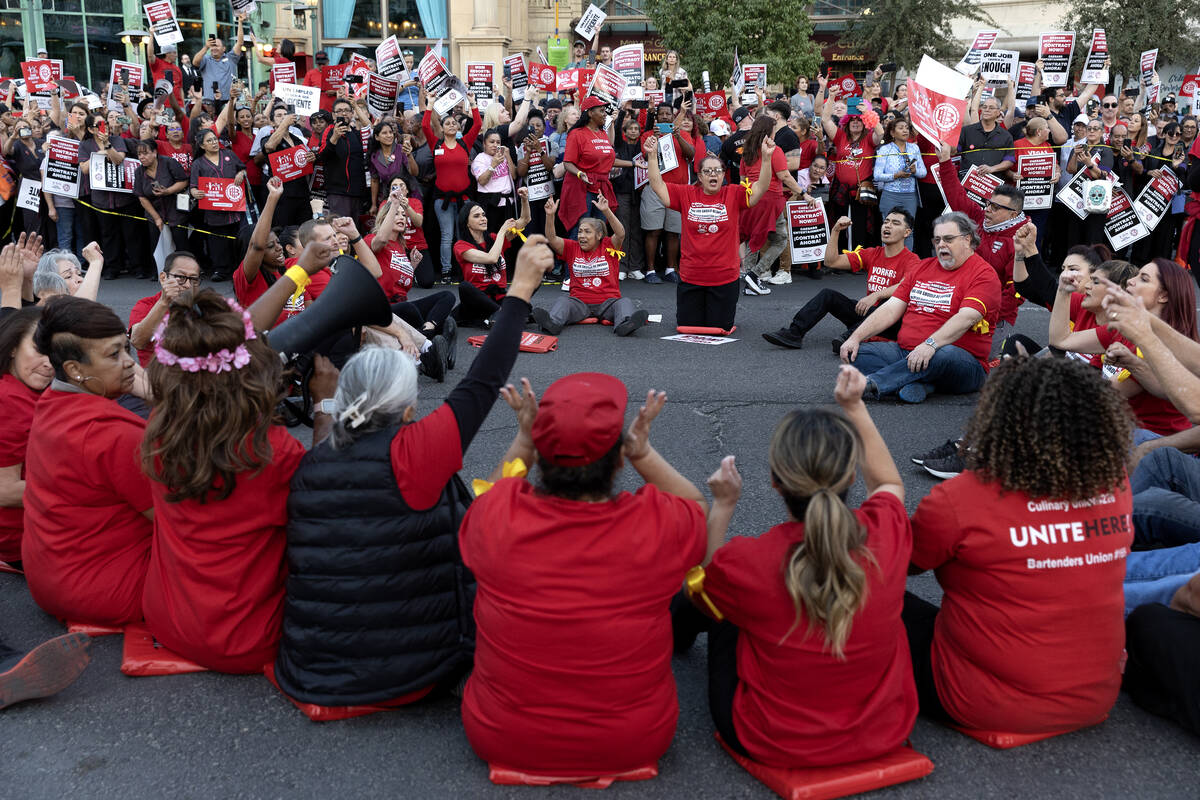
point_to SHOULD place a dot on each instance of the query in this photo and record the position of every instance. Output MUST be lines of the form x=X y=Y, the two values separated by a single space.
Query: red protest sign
x=979 y=186
x=290 y=164
x=848 y=86
x=221 y=194
x=333 y=77
x=937 y=116
x=39 y=74
x=361 y=67
x=711 y=103
x=567 y=80
x=1190 y=87
x=543 y=76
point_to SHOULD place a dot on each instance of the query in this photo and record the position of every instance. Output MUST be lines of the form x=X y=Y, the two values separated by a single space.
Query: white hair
x=46 y=280
x=374 y=389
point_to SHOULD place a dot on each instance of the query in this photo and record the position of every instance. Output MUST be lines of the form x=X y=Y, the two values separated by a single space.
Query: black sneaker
x=450 y=334
x=433 y=360
x=944 y=468
x=542 y=317
x=46 y=669
x=949 y=448
x=631 y=323
x=785 y=337
x=753 y=287
x=219 y=277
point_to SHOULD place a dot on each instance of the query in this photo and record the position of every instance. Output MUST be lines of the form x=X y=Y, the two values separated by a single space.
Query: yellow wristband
x=298 y=276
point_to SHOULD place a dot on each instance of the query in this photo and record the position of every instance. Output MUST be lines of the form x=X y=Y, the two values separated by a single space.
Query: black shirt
x=731 y=154
x=167 y=172
x=985 y=148
x=787 y=140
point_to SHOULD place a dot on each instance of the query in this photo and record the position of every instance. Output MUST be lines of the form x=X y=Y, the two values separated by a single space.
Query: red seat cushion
x=333 y=713
x=143 y=656
x=1002 y=740
x=704 y=331
x=593 y=321
x=530 y=342
x=503 y=776
x=93 y=630
x=823 y=783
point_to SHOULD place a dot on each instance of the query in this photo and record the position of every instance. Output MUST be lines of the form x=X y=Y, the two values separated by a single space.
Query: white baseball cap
x=719 y=127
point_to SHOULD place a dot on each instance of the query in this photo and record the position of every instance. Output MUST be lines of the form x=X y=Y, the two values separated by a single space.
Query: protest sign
x=667 y=159
x=1122 y=225
x=1094 y=70
x=356 y=76
x=303 y=100
x=999 y=66
x=937 y=101
x=608 y=85
x=655 y=97
x=289 y=164
x=630 y=61
x=979 y=185
x=634 y=92
x=641 y=171
x=381 y=95
x=1190 y=88
x=221 y=194
x=163 y=24
x=1071 y=195
x=124 y=75
x=29 y=195
x=711 y=104
x=808 y=231
x=105 y=176
x=1055 y=50
x=433 y=73
x=1154 y=201
x=1148 y=60
x=333 y=77
x=1035 y=179
x=62 y=167
x=247 y=7
x=1026 y=72
x=39 y=75
x=518 y=74
x=543 y=76
x=452 y=97
x=567 y=80
x=590 y=22
x=756 y=75
x=983 y=41
x=847 y=86
x=283 y=73
x=538 y=180
x=737 y=80
x=388 y=61
x=481 y=82
x=698 y=338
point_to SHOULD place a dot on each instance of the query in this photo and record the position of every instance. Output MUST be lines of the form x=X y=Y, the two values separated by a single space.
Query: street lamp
x=137 y=39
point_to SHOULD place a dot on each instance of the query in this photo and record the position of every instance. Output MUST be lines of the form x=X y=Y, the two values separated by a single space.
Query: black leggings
x=919 y=618
x=430 y=308
x=707 y=306
x=1163 y=671
x=686 y=624
x=475 y=304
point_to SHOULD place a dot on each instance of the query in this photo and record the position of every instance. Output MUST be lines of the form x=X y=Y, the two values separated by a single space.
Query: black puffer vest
x=379 y=603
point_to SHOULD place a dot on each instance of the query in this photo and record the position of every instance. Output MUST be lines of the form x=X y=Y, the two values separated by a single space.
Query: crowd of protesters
x=145 y=477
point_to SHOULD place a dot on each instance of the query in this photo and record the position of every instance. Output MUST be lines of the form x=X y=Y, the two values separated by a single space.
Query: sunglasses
x=1108 y=105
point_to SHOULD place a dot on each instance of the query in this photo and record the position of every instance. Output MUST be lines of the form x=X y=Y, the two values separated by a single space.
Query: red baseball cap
x=580 y=418
x=590 y=102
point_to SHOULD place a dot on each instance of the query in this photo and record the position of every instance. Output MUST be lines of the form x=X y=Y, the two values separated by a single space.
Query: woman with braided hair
x=1029 y=545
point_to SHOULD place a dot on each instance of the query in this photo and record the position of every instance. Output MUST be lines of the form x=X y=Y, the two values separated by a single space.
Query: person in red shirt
x=88 y=508
x=710 y=268
x=314 y=77
x=219 y=477
x=855 y=138
x=181 y=273
x=886 y=267
x=588 y=161
x=173 y=144
x=574 y=583
x=452 y=170
x=760 y=227
x=593 y=262
x=655 y=218
x=947 y=308
x=163 y=67
x=480 y=256
x=237 y=123
x=809 y=665
x=264 y=262
x=1029 y=546
x=24 y=375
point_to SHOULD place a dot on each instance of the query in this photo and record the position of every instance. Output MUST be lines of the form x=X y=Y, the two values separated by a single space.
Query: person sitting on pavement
x=480 y=257
x=593 y=261
x=574 y=587
x=1029 y=546
x=180 y=273
x=378 y=606
x=886 y=266
x=812 y=669
x=947 y=307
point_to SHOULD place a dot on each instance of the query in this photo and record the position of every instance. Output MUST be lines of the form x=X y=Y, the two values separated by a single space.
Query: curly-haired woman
x=1029 y=545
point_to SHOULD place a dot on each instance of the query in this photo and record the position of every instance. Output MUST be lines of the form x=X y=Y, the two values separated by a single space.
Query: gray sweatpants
x=570 y=310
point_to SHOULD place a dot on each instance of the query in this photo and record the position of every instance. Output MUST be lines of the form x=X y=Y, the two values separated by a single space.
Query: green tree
x=1169 y=25
x=777 y=33
x=901 y=31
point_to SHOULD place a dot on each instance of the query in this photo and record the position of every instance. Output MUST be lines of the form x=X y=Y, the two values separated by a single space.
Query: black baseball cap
x=740 y=114
x=553 y=102
x=321 y=55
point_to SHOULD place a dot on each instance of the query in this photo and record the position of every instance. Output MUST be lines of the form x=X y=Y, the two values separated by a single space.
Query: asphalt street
x=216 y=736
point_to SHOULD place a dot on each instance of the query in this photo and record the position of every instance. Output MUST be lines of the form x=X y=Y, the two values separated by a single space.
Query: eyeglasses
x=712 y=171
x=949 y=239
x=193 y=280
x=991 y=204
x=1171 y=133
x=1108 y=105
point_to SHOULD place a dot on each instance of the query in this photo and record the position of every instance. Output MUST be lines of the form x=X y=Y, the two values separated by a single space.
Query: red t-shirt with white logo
x=883 y=271
x=397 y=270
x=414 y=235
x=593 y=274
x=709 y=253
x=1156 y=414
x=181 y=154
x=249 y=291
x=481 y=276
x=935 y=294
x=1031 y=630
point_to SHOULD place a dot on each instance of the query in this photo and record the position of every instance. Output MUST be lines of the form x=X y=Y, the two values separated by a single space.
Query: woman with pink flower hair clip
x=219 y=469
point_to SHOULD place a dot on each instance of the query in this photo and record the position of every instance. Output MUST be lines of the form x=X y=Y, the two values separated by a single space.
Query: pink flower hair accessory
x=223 y=360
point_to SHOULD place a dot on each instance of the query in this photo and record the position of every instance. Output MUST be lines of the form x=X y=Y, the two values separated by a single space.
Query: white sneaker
x=566 y=285
x=637 y=275
x=780 y=278
x=753 y=286
x=620 y=276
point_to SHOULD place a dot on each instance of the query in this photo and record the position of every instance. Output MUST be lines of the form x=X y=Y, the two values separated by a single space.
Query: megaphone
x=352 y=298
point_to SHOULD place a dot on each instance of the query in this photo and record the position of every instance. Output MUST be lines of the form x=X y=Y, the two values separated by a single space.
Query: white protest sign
x=808 y=231
x=982 y=41
x=1055 y=50
x=105 y=176
x=305 y=99
x=1094 y=70
x=381 y=95
x=1148 y=60
x=1036 y=179
x=163 y=24
x=999 y=66
x=630 y=61
x=29 y=195
x=590 y=22
x=696 y=338
x=62 y=166
x=1154 y=201
x=1122 y=225
x=738 y=79
x=388 y=60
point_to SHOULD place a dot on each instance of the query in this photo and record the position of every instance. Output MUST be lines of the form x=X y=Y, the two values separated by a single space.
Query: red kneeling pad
x=701 y=330
x=1001 y=740
x=502 y=776
x=143 y=656
x=93 y=630
x=334 y=713
x=593 y=321
x=824 y=783
x=530 y=342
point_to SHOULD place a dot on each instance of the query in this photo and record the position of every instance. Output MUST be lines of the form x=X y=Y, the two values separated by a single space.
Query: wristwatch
x=325 y=407
x=931 y=343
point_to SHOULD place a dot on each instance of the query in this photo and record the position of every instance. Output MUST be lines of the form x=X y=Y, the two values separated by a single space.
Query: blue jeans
x=1153 y=576
x=69 y=238
x=447 y=217
x=1166 y=499
x=952 y=370
x=906 y=200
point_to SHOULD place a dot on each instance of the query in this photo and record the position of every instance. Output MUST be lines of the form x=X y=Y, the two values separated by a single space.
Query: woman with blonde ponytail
x=809 y=664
